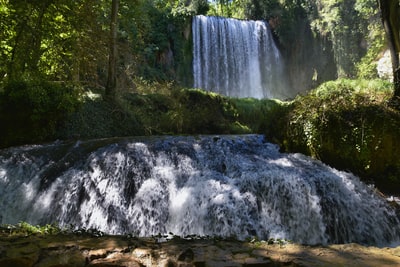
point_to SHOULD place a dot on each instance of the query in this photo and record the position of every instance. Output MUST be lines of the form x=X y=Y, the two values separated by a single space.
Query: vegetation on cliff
x=350 y=125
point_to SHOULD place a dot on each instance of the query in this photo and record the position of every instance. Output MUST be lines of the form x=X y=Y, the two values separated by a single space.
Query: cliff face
x=84 y=250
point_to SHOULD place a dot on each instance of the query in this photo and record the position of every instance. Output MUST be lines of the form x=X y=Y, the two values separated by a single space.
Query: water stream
x=237 y=58
x=230 y=186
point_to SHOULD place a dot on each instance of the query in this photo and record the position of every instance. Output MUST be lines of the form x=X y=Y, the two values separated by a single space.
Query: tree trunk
x=111 y=86
x=36 y=39
x=391 y=22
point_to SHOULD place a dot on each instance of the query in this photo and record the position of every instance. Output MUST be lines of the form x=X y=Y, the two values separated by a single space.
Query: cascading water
x=237 y=58
x=226 y=186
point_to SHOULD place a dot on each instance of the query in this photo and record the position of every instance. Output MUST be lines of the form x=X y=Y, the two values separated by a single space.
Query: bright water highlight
x=237 y=58
x=230 y=186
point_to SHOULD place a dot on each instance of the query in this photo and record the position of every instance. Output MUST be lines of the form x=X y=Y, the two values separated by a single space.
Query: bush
x=32 y=111
x=203 y=112
x=348 y=124
x=185 y=111
x=263 y=116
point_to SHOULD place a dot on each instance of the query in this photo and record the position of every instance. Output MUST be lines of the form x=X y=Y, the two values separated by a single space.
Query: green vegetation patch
x=32 y=111
x=26 y=229
x=349 y=125
x=265 y=116
x=194 y=111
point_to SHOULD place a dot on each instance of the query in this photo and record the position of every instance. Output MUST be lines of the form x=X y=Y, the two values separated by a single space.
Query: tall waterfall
x=226 y=186
x=237 y=58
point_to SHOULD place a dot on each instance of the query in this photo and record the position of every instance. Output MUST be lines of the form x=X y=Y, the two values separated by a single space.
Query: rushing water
x=236 y=58
x=232 y=186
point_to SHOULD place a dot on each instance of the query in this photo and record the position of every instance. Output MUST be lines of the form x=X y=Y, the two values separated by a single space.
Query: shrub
x=265 y=116
x=32 y=111
x=348 y=124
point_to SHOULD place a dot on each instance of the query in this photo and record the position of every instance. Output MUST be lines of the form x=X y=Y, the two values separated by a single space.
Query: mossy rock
x=348 y=125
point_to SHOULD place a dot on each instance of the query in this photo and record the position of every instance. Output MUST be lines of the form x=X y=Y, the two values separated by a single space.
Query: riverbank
x=86 y=250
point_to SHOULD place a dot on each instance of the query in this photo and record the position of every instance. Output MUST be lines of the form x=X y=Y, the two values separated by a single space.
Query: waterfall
x=230 y=186
x=237 y=58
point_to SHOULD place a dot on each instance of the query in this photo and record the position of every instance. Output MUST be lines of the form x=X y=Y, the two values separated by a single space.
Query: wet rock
x=60 y=256
x=187 y=255
x=116 y=251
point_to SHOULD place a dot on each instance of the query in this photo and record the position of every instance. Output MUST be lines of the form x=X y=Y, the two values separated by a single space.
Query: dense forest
x=69 y=41
x=96 y=68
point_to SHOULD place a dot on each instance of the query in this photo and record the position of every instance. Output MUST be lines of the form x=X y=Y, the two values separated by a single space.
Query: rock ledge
x=117 y=251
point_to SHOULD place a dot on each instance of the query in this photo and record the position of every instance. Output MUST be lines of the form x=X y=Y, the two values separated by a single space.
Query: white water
x=227 y=186
x=236 y=58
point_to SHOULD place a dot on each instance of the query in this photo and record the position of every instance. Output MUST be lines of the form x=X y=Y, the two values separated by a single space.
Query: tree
x=26 y=30
x=54 y=39
x=112 y=60
x=390 y=12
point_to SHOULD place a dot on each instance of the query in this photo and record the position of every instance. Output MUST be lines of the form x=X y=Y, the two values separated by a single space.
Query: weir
x=229 y=186
x=237 y=58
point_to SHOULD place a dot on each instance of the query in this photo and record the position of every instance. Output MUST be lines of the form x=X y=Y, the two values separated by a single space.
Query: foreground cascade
x=237 y=58
x=231 y=186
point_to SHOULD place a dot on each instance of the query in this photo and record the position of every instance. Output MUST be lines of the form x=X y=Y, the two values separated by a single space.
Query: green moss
x=264 y=116
x=205 y=112
x=194 y=111
x=26 y=229
x=348 y=124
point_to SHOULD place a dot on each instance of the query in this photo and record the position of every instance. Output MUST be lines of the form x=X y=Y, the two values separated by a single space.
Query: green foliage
x=152 y=111
x=349 y=24
x=185 y=111
x=44 y=38
x=263 y=9
x=367 y=67
x=200 y=7
x=32 y=111
x=204 y=112
x=162 y=108
x=344 y=37
x=68 y=40
x=313 y=113
x=262 y=116
x=26 y=229
x=228 y=8
x=97 y=118
x=190 y=8
x=348 y=124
